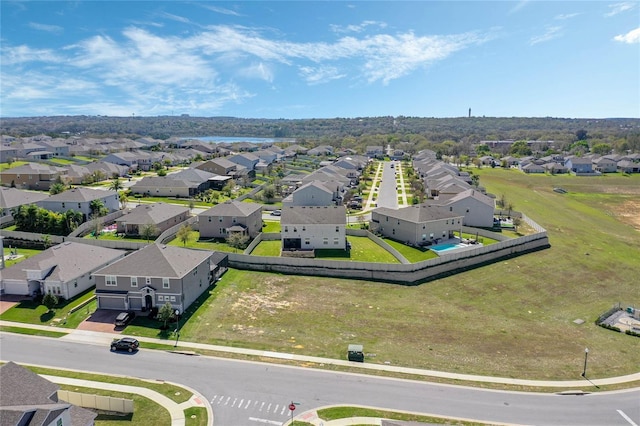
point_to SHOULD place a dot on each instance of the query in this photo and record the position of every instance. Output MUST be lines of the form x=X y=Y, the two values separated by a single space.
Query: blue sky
x=306 y=59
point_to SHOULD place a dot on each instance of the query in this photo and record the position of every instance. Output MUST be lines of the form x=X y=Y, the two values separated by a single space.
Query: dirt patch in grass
x=627 y=212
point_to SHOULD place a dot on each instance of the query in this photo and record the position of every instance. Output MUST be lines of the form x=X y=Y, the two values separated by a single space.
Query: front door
x=148 y=302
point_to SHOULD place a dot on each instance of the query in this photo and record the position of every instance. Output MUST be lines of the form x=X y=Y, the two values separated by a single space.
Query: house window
x=304 y=228
x=325 y=241
x=110 y=280
x=286 y=229
x=393 y=231
x=219 y=218
x=160 y=298
x=337 y=229
x=209 y=218
x=234 y=219
x=165 y=283
x=307 y=241
x=450 y=209
x=62 y=203
x=134 y=281
x=147 y=280
x=173 y=298
x=336 y=241
x=79 y=206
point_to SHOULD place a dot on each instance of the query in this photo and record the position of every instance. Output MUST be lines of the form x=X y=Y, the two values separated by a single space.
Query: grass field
x=512 y=319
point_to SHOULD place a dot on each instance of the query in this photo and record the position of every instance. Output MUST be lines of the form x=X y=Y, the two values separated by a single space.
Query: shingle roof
x=152 y=213
x=12 y=197
x=69 y=260
x=26 y=386
x=418 y=213
x=321 y=215
x=157 y=260
x=232 y=208
x=81 y=194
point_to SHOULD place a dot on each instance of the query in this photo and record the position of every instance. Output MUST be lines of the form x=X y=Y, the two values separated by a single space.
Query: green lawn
x=271 y=226
x=194 y=242
x=501 y=319
x=62 y=161
x=412 y=254
x=28 y=311
x=7 y=166
x=267 y=248
x=23 y=254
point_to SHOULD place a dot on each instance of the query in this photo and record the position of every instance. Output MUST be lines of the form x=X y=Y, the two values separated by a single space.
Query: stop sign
x=292 y=406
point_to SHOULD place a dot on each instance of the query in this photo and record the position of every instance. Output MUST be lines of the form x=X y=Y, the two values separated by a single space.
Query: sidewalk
x=176 y=410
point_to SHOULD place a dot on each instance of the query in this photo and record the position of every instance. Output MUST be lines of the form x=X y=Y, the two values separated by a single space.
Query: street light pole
x=586 y=354
x=177 y=312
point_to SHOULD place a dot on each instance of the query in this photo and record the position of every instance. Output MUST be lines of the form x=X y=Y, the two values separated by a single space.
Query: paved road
x=251 y=393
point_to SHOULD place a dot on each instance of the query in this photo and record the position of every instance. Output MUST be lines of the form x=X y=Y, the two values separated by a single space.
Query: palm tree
x=116 y=184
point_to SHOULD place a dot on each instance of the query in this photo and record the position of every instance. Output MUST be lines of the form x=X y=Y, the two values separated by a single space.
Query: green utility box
x=354 y=353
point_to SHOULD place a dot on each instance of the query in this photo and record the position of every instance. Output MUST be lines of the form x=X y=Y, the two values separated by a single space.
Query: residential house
x=509 y=161
x=313 y=227
x=605 y=165
x=397 y=154
x=155 y=275
x=64 y=270
x=475 y=207
x=8 y=153
x=555 y=168
x=579 y=165
x=57 y=147
x=531 y=168
x=247 y=160
x=28 y=399
x=165 y=186
x=321 y=150
x=375 y=151
x=11 y=198
x=231 y=216
x=33 y=151
x=627 y=166
x=108 y=170
x=127 y=159
x=417 y=225
x=161 y=216
x=34 y=176
x=77 y=175
x=79 y=199
x=313 y=194
x=222 y=167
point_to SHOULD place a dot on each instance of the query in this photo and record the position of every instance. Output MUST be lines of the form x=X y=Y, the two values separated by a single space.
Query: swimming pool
x=446 y=247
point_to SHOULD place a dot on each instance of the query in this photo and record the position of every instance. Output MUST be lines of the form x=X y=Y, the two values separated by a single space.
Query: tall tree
x=116 y=184
x=148 y=231
x=184 y=234
x=238 y=240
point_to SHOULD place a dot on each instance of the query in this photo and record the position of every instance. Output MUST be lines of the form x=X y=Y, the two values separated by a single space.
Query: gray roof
x=157 y=260
x=192 y=175
x=152 y=213
x=81 y=194
x=232 y=208
x=67 y=261
x=12 y=197
x=163 y=182
x=321 y=215
x=418 y=213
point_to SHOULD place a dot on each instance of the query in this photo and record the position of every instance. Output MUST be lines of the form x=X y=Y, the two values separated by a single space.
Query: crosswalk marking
x=248 y=404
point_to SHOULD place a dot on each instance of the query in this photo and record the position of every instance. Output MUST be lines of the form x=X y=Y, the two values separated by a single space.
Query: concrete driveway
x=101 y=320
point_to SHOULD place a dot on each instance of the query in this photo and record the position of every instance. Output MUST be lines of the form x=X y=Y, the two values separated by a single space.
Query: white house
x=313 y=227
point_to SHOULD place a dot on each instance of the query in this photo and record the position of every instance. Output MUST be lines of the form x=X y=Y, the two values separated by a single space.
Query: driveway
x=101 y=320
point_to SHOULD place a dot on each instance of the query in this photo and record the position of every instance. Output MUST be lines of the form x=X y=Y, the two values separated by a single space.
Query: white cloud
x=550 y=34
x=261 y=71
x=55 y=29
x=617 y=8
x=356 y=28
x=221 y=10
x=320 y=75
x=22 y=54
x=565 y=16
x=631 y=37
x=175 y=18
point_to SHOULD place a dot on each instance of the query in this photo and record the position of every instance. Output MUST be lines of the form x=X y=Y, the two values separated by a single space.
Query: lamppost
x=177 y=331
x=586 y=354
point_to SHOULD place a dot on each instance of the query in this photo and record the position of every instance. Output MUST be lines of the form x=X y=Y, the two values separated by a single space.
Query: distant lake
x=234 y=139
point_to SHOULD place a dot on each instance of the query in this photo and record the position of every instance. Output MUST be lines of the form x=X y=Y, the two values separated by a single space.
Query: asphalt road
x=251 y=393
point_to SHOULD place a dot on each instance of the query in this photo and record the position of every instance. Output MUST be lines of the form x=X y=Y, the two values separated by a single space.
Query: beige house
x=417 y=225
x=32 y=176
x=231 y=216
x=162 y=216
x=153 y=276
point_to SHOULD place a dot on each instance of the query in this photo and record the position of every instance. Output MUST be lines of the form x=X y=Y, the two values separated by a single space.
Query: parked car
x=124 y=318
x=128 y=344
x=276 y=213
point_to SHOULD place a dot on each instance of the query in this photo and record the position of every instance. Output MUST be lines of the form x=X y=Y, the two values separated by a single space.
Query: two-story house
x=416 y=225
x=153 y=276
x=231 y=216
x=80 y=199
x=34 y=176
x=313 y=227
x=312 y=194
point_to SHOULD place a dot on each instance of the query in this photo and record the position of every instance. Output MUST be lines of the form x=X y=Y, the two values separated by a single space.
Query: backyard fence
x=97 y=402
